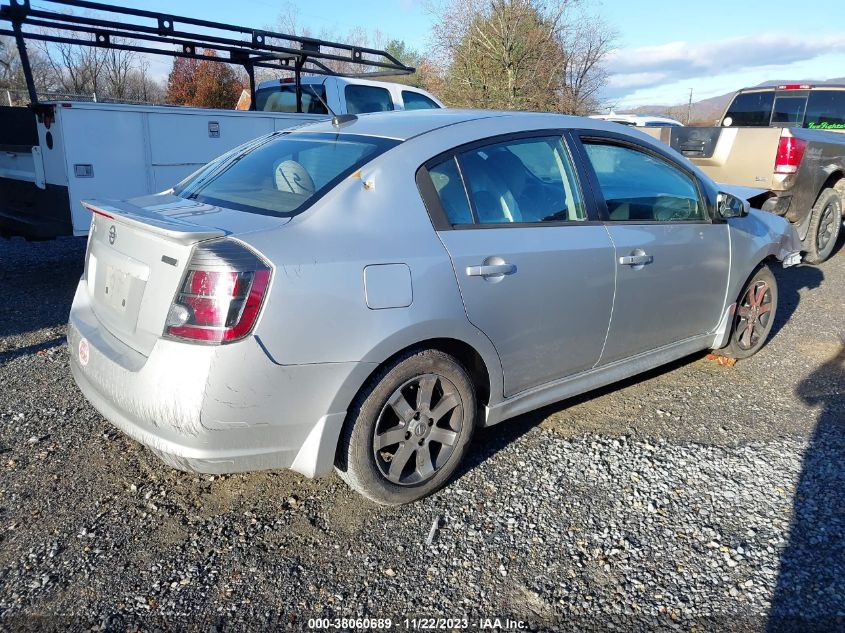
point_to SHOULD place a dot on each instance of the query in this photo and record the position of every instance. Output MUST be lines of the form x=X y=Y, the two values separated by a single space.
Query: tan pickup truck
x=784 y=140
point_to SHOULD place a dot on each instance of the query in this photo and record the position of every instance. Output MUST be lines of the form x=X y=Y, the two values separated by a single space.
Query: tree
x=203 y=83
x=218 y=86
x=142 y=87
x=118 y=69
x=520 y=54
x=586 y=42
x=11 y=70
x=501 y=53
x=77 y=70
x=181 y=82
x=424 y=75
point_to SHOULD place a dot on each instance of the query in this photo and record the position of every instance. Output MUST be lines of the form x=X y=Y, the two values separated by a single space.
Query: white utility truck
x=55 y=154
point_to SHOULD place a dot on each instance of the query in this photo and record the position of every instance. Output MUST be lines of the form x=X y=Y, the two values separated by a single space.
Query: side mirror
x=729 y=206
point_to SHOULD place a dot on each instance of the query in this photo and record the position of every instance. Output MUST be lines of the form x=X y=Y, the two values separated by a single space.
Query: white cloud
x=650 y=66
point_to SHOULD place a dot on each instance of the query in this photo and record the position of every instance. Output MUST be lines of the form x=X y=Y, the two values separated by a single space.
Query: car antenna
x=337 y=119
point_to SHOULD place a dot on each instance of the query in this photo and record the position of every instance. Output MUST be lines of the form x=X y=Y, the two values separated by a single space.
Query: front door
x=672 y=261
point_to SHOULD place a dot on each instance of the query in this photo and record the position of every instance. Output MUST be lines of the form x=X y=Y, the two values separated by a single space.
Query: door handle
x=490 y=269
x=636 y=260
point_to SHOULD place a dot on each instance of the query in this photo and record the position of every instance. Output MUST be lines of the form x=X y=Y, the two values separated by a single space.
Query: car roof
x=403 y=125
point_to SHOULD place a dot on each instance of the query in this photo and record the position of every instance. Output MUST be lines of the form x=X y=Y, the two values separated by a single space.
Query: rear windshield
x=789 y=110
x=361 y=99
x=826 y=110
x=750 y=109
x=283 y=174
x=814 y=109
x=417 y=101
x=282 y=98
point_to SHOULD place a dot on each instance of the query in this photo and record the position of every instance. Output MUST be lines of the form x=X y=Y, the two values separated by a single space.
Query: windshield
x=282 y=174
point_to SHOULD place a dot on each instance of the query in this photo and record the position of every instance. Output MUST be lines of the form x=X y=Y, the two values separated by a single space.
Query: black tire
x=825 y=224
x=751 y=327
x=366 y=454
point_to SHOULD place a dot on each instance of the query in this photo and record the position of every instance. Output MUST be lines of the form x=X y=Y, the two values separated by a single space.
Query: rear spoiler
x=173 y=229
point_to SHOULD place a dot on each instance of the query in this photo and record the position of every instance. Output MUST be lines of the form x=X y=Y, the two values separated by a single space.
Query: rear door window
x=522 y=181
x=283 y=99
x=361 y=99
x=825 y=110
x=750 y=109
x=447 y=181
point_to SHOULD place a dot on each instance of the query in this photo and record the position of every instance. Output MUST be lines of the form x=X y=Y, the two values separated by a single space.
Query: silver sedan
x=362 y=294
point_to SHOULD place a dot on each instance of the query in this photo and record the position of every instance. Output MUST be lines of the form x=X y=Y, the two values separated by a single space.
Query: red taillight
x=221 y=295
x=795 y=87
x=790 y=153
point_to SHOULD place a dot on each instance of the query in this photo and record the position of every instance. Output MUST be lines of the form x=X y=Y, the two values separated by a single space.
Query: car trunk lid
x=138 y=251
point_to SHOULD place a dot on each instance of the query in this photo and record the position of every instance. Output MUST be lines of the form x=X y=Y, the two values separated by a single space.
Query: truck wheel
x=825 y=222
x=755 y=315
x=409 y=428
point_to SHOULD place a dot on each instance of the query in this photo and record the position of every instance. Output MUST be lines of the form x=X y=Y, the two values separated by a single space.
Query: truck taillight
x=790 y=153
x=220 y=296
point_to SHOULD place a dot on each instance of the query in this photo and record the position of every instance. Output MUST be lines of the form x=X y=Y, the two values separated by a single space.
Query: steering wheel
x=670 y=208
x=292 y=177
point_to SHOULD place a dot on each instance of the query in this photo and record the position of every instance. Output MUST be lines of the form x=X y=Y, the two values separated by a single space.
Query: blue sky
x=664 y=47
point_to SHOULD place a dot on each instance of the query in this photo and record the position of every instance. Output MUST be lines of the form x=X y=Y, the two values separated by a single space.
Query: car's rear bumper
x=214 y=409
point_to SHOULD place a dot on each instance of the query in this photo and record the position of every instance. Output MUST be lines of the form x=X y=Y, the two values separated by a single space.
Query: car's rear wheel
x=825 y=224
x=755 y=315
x=409 y=428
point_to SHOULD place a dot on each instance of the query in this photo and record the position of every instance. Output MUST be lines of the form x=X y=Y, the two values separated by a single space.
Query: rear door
x=672 y=260
x=535 y=269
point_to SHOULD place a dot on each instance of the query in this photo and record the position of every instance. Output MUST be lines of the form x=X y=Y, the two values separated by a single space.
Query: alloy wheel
x=825 y=227
x=417 y=429
x=754 y=313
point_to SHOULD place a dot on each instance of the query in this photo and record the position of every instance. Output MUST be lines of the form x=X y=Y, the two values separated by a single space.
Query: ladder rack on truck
x=179 y=36
x=76 y=150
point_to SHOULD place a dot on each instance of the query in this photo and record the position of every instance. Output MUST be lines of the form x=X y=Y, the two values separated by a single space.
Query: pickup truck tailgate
x=739 y=155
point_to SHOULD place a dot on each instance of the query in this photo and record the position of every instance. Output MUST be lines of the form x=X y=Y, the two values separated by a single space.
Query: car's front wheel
x=408 y=429
x=754 y=316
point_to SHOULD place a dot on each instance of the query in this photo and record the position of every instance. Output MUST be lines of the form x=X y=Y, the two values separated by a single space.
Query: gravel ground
x=696 y=498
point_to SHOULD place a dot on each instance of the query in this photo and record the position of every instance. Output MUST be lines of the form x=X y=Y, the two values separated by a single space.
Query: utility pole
x=689 y=107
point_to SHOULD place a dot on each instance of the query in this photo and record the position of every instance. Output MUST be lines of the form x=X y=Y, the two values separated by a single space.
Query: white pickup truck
x=107 y=150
